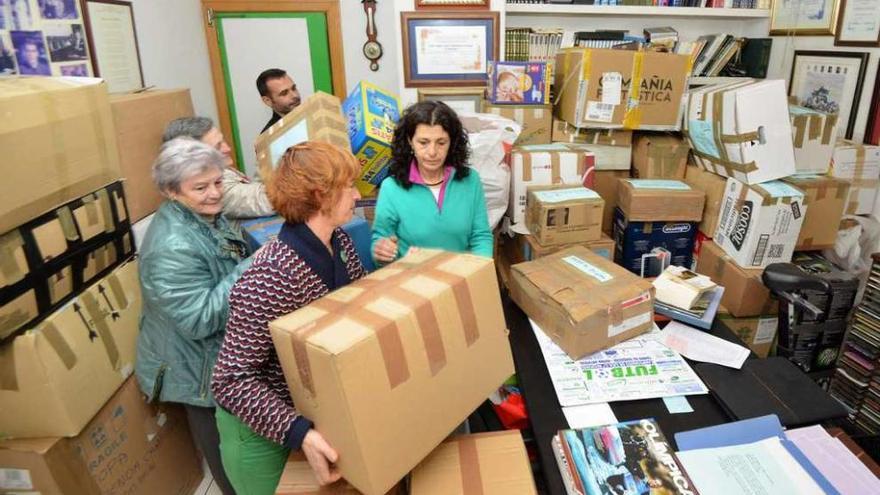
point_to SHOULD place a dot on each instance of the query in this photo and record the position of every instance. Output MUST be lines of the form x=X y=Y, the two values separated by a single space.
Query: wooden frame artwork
x=795 y=17
x=858 y=23
x=131 y=79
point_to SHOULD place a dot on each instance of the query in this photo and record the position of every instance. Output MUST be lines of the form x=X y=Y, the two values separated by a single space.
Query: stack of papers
x=836 y=462
x=701 y=346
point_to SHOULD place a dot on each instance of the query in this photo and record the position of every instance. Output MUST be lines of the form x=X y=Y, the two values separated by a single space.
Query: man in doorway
x=278 y=92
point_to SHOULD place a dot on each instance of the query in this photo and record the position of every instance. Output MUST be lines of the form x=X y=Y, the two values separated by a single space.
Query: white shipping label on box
x=612 y=83
x=766 y=330
x=589 y=269
x=15 y=479
x=560 y=195
x=600 y=112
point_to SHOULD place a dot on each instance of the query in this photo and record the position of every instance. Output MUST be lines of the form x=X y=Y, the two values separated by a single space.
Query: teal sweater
x=462 y=225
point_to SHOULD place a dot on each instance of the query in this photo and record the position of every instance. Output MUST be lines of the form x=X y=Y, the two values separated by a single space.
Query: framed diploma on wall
x=804 y=17
x=448 y=48
x=858 y=23
x=113 y=44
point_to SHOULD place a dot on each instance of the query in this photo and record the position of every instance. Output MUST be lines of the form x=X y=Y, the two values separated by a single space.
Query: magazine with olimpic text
x=631 y=457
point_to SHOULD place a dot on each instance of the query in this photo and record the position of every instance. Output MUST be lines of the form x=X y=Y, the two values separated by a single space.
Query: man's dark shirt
x=275 y=118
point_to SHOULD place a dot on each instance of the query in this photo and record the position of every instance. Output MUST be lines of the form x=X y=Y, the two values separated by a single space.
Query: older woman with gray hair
x=242 y=197
x=189 y=261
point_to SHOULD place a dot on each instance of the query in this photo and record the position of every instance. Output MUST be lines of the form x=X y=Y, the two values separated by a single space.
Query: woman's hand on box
x=385 y=249
x=321 y=457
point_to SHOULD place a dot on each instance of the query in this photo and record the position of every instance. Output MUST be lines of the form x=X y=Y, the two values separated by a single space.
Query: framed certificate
x=858 y=23
x=113 y=44
x=804 y=17
x=449 y=48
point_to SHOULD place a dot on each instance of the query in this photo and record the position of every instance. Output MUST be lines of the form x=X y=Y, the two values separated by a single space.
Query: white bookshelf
x=628 y=10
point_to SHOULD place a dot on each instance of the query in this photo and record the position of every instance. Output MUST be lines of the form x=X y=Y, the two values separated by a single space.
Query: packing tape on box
x=723 y=160
x=828 y=132
x=10 y=321
x=102 y=328
x=428 y=325
x=68 y=225
x=8 y=376
x=799 y=122
x=59 y=345
x=633 y=112
x=668 y=158
x=11 y=242
x=104 y=202
x=555 y=172
x=860 y=163
x=815 y=126
x=469 y=462
x=118 y=291
x=55 y=281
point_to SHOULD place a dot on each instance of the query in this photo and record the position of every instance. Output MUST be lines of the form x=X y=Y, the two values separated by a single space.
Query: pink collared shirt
x=416 y=178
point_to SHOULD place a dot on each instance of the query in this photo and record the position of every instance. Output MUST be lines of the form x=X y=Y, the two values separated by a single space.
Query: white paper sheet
x=836 y=462
x=701 y=346
x=589 y=415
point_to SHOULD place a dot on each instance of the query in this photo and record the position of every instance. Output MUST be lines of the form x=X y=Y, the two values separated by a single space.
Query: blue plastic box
x=633 y=239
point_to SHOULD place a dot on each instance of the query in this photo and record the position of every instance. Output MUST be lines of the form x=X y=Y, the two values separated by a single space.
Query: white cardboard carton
x=814 y=135
x=859 y=164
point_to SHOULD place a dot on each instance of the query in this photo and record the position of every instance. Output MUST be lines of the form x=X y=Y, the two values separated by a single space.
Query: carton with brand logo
x=534 y=119
x=563 y=215
x=712 y=186
x=826 y=197
x=744 y=292
x=612 y=147
x=582 y=301
x=814 y=135
x=518 y=83
x=372 y=115
x=860 y=165
x=653 y=200
x=659 y=155
x=760 y=224
x=634 y=240
x=757 y=332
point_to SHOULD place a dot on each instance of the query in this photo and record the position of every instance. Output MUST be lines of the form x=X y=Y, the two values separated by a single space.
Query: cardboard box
x=390 y=365
x=757 y=332
x=582 y=301
x=58 y=144
x=620 y=88
x=489 y=463
x=543 y=165
x=859 y=164
x=299 y=479
x=826 y=201
x=814 y=135
x=518 y=83
x=744 y=292
x=634 y=239
x=318 y=118
x=605 y=182
x=54 y=378
x=713 y=186
x=140 y=120
x=530 y=249
x=652 y=200
x=372 y=115
x=760 y=224
x=129 y=447
x=659 y=156
x=534 y=119
x=741 y=130
x=612 y=147
x=563 y=215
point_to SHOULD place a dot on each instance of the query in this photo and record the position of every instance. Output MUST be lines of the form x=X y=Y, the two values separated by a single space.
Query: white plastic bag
x=854 y=246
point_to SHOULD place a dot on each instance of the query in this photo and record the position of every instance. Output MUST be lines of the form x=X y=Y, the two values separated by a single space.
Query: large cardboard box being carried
x=605 y=182
x=757 y=332
x=760 y=224
x=741 y=130
x=659 y=156
x=54 y=378
x=563 y=214
x=713 y=187
x=388 y=366
x=814 y=134
x=620 y=88
x=299 y=479
x=129 y=447
x=582 y=301
x=859 y=164
x=826 y=198
x=493 y=463
x=372 y=115
x=140 y=120
x=656 y=200
x=534 y=119
x=612 y=147
x=744 y=292
x=58 y=144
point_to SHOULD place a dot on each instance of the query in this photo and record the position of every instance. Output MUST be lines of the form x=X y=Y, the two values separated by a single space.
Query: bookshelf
x=627 y=10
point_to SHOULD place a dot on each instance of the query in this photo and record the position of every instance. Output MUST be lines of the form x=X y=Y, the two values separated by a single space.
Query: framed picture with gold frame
x=804 y=17
x=452 y=4
x=467 y=99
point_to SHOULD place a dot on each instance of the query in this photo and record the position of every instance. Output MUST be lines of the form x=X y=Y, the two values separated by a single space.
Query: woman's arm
x=481 y=240
x=385 y=223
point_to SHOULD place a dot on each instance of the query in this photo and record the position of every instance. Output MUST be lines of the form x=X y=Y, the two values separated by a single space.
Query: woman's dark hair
x=428 y=113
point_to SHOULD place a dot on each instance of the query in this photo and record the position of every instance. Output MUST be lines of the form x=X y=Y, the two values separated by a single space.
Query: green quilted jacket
x=187 y=268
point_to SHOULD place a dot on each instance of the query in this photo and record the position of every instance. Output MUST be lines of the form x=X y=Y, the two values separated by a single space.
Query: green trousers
x=252 y=462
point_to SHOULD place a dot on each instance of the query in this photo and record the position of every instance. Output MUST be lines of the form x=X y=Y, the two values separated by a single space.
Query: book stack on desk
x=686 y=296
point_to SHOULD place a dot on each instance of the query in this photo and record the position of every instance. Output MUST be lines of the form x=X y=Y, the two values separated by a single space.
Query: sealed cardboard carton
x=612 y=147
x=299 y=479
x=659 y=156
x=58 y=144
x=493 y=463
x=47 y=466
x=372 y=114
x=760 y=224
x=744 y=292
x=54 y=378
x=534 y=119
x=653 y=200
x=530 y=249
x=814 y=135
x=388 y=366
x=584 y=302
x=563 y=214
x=860 y=165
x=544 y=165
x=741 y=130
x=518 y=83
x=713 y=187
x=826 y=198
x=634 y=241
x=620 y=88
x=757 y=332
x=140 y=120
x=605 y=182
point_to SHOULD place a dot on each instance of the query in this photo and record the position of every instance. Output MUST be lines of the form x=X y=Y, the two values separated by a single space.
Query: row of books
x=531 y=44
x=727 y=4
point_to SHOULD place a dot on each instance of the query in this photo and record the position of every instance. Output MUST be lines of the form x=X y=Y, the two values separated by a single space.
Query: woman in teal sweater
x=431 y=198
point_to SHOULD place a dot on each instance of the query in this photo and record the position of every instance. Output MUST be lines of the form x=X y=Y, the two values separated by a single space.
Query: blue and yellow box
x=372 y=115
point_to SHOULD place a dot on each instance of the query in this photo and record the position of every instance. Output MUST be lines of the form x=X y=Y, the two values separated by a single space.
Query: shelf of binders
x=627 y=10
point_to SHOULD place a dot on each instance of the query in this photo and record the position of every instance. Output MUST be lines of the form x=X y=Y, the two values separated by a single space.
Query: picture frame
x=872 y=130
x=112 y=37
x=830 y=82
x=467 y=99
x=858 y=24
x=452 y=4
x=448 y=48
x=804 y=17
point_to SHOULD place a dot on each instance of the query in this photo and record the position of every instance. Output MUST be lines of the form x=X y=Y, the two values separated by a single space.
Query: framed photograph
x=17 y=15
x=58 y=9
x=113 y=44
x=459 y=99
x=830 y=82
x=452 y=4
x=872 y=131
x=449 y=48
x=804 y=17
x=30 y=51
x=66 y=42
x=858 y=23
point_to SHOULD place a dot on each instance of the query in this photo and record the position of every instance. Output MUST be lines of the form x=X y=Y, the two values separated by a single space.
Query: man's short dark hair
x=265 y=76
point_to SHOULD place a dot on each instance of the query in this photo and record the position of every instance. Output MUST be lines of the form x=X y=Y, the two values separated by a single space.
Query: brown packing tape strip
x=104 y=203
x=815 y=126
x=53 y=283
x=555 y=172
x=821 y=191
x=428 y=324
x=99 y=319
x=13 y=321
x=800 y=130
x=728 y=166
x=59 y=345
x=68 y=226
x=648 y=228
x=860 y=162
x=469 y=460
x=8 y=376
x=388 y=334
x=463 y=299
x=9 y=243
x=740 y=138
x=91 y=209
x=615 y=313
x=842 y=190
x=828 y=130
x=118 y=291
x=526 y=166
x=667 y=158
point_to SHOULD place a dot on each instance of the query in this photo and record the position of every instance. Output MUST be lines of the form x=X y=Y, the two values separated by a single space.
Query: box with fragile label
x=563 y=214
x=659 y=156
x=544 y=165
x=489 y=463
x=612 y=147
x=518 y=83
x=741 y=130
x=534 y=119
x=605 y=182
x=57 y=376
x=654 y=200
x=757 y=332
x=815 y=134
x=859 y=164
x=826 y=198
x=372 y=115
x=713 y=186
x=620 y=88
x=635 y=240
x=760 y=224
x=584 y=302
x=422 y=338
x=744 y=292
